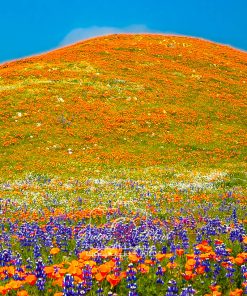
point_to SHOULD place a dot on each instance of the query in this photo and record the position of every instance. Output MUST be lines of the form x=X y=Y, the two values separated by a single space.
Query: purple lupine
x=189 y=291
x=87 y=277
x=206 y=264
x=244 y=275
x=40 y=274
x=159 y=274
x=36 y=251
x=131 y=280
x=230 y=271
x=172 y=289
x=5 y=257
x=80 y=289
x=117 y=268
x=68 y=285
x=39 y=270
x=216 y=271
x=40 y=283
x=99 y=291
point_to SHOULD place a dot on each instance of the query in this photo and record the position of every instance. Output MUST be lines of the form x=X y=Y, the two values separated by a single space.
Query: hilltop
x=124 y=101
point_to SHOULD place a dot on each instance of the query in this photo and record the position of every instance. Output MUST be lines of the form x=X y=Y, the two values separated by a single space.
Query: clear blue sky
x=29 y=27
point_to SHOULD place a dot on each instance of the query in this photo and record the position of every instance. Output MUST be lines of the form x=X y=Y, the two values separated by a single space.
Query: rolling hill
x=124 y=101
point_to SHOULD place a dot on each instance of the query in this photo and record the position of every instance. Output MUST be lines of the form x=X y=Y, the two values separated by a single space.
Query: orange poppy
x=15 y=285
x=54 y=251
x=84 y=255
x=74 y=270
x=49 y=270
x=160 y=257
x=31 y=279
x=99 y=277
x=89 y=262
x=113 y=279
x=237 y=292
x=188 y=275
x=172 y=265
x=3 y=290
x=58 y=282
x=218 y=242
x=225 y=264
x=104 y=269
x=216 y=293
x=11 y=270
x=143 y=268
x=190 y=264
x=214 y=288
x=62 y=271
x=77 y=279
x=200 y=269
x=190 y=256
x=243 y=255
x=110 y=263
x=239 y=260
x=134 y=258
x=180 y=252
x=22 y=293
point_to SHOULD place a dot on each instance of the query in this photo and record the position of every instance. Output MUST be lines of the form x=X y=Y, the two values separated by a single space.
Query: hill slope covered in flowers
x=124 y=100
x=123 y=169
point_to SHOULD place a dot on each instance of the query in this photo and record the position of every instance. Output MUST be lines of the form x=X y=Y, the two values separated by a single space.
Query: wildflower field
x=123 y=169
x=130 y=237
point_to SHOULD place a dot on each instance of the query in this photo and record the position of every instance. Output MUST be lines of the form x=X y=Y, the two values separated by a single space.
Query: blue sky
x=33 y=26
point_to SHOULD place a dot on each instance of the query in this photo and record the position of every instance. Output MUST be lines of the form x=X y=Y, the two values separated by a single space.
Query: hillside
x=124 y=101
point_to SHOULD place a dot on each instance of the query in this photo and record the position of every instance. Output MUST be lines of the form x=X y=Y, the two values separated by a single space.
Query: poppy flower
x=160 y=257
x=239 y=260
x=216 y=293
x=104 y=269
x=85 y=255
x=89 y=262
x=190 y=264
x=214 y=288
x=143 y=268
x=54 y=251
x=49 y=270
x=62 y=271
x=113 y=279
x=14 y=285
x=134 y=258
x=180 y=252
x=237 y=292
x=3 y=290
x=171 y=265
x=31 y=279
x=11 y=270
x=22 y=293
x=218 y=242
x=99 y=277
x=188 y=275
x=58 y=282
x=190 y=256
x=74 y=270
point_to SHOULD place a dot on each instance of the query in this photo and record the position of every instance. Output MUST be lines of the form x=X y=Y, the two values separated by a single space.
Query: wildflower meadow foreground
x=122 y=237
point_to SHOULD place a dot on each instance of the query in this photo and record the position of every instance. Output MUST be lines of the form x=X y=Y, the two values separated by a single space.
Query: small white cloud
x=85 y=33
